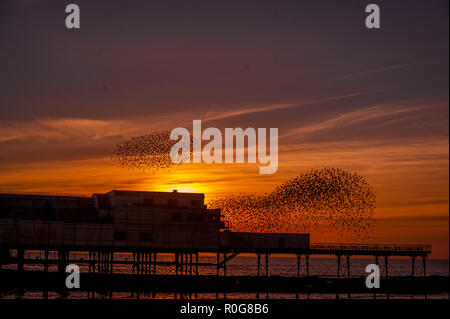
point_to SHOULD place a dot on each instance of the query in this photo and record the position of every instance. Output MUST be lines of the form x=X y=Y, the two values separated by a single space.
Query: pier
x=186 y=262
x=146 y=225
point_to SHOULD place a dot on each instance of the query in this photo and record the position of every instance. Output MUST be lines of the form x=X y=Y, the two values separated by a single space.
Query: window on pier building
x=196 y=203
x=145 y=236
x=177 y=217
x=147 y=202
x=120 y=235
x=196 y=217
x=172 y=202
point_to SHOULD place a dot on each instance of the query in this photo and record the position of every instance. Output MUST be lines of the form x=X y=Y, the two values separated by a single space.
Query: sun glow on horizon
x=190 y=188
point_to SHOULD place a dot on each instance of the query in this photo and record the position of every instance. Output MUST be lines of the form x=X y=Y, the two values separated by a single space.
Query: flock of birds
x=149 y=153
x=329 y=200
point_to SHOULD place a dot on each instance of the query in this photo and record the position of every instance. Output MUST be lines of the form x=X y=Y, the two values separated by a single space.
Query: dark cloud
x=171 y=56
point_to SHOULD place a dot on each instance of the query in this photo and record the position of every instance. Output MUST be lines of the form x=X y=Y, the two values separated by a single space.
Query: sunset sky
x=373 y=102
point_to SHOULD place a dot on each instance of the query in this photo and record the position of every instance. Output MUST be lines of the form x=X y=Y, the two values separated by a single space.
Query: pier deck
x=186 y=261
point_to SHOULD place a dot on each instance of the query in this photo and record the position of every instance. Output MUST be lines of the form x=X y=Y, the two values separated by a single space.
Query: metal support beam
x=196 y=264
x=386 y=265
x=338 y=266
x=267 y=265
x=46 y=260
x=424 y=260
x=20 y=257
x=225 y=264
x=218 y=263
x=180 y=263
x=134 y=262
x=348 y=266
x=138 y=266
x=227 y=259
x=259 y=263
x=307 y=265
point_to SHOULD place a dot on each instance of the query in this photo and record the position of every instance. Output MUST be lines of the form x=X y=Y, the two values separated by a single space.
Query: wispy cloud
x=351 y=118
x=61 y=129
x=218 y=115
x=373 y=71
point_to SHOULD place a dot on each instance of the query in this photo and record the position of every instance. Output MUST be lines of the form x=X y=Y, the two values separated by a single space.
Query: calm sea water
x=247 y=265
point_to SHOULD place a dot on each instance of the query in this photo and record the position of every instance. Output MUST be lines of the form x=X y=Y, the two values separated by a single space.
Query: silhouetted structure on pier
x=148 y=223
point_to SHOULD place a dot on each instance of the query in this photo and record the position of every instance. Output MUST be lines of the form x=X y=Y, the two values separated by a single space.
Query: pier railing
x=371 y=247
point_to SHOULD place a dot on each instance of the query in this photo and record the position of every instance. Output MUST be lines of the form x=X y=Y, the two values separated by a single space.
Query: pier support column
x=180 y=263
x=144 y=262
x=150 y=263
x=267 y=265
x=188 y=264
x=111 y=269
x=338 y=266
x=139 y=265
x=46 y=260
x=307 y=265
x=259 y=263
x=386 y=265
x=154 y=263
x=225 y=264
x=4 y=256
x=218 y=263
x=106 y=262
x=196 y=264
x=298 y=265
x=348 y=266
x=62 y=261
x=424 y=260
x=20 y=257
x=98 y=263
x=413 y=259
